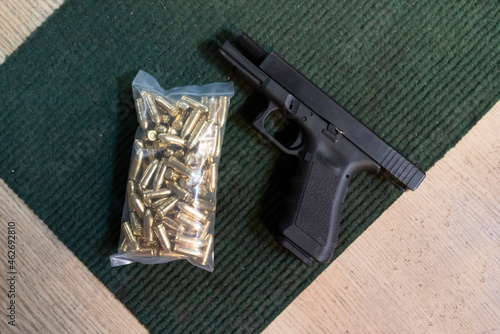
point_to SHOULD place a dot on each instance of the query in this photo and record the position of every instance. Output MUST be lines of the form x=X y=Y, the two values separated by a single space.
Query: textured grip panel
x=316 y=206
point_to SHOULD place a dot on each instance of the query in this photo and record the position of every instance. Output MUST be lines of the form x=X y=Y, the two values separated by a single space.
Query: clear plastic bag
x=169 y=211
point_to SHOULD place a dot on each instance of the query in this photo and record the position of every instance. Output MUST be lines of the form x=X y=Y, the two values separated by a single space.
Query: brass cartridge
x=174 y=225
x=202 y=204
x=212 y=177
x=151 y=135
x=152 y=110
x=161 y=234
x=148 y=226
x=197 y=133
x=191 y=122
x=189 y=222
x=178 y=122
x=171 y=139
x=148 y=174
x=212 y=109
x=218 y=142
x=194 y=104
x=208 y=249
x=222 y=112
x=171 y=175
x=191 y=211
x=181 y=193
x=135 y=224
x=166 y=105
x=129 y=235
x=135 y=167
x=143 y=252
x=189 y=241
x=195 y=252
x=160 y=175
x=137 y=205
x=171 y=255
x=141 y=113
x=182 y=105
x=179 y=166
x=161 y=128
x=167 y=206
x=149 y=195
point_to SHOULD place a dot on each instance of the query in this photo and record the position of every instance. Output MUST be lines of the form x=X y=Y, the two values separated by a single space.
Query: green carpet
x=419 y=73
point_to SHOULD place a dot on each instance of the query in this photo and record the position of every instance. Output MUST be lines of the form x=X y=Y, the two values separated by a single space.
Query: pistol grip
x=311 y=225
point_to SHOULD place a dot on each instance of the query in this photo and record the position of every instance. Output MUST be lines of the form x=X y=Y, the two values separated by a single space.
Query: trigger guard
x=259 y=123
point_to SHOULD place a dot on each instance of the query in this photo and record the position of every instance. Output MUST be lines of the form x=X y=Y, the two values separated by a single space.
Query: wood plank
x=19 y=18
x=430 y=263
x=54 y=291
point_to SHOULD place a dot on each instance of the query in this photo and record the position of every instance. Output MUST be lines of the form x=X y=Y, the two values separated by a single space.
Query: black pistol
x=332 y=147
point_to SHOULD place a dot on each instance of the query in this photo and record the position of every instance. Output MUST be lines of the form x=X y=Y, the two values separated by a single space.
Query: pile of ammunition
x=173 y=177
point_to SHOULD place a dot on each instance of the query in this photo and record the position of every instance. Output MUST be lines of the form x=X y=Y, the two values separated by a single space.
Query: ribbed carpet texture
x=420 y=73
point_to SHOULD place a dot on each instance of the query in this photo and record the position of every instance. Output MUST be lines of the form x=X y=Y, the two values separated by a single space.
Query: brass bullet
x=148 y=226
x=179 y=166
x=148 y=174
x=166 y=207
x=194 y=104
x=212 y=177
x=156 y=204
x=202 y=204
x=135 y=167
x=137 y=204
x=189 y=241
x=189 y=182
x=182 y=105
x=135 y=224
x=181 y=193
x=149 y=195
x=197 y=133
x=165 y=119
x=171 y=175
x=130 y=190
x=191 y=211
x=129 y=235
x=174 y=225
x=171 y=139
x=222 y=112
x=178 y=122
x=195 y=252
x=160 y=175
x=189 y=222
x=191 y=122
x=123 y=245
x=161 y=128
x=161 y=234
x=209 y=240
x=143 y=252
x=141 y=113
x=152 y=110
x=218 y=142
x=167 y=106
x=171 y=255
x=173 y=132
x=212 y=109
x=203 y=233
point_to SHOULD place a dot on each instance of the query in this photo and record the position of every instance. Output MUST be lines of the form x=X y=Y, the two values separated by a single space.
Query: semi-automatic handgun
x=332 y=147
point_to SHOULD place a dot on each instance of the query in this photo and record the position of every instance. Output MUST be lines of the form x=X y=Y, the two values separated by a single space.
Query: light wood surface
x=54 y=291
x=431 y=263
x=19 y=18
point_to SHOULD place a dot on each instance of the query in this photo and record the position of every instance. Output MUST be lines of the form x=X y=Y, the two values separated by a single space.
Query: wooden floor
x=430 y=264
